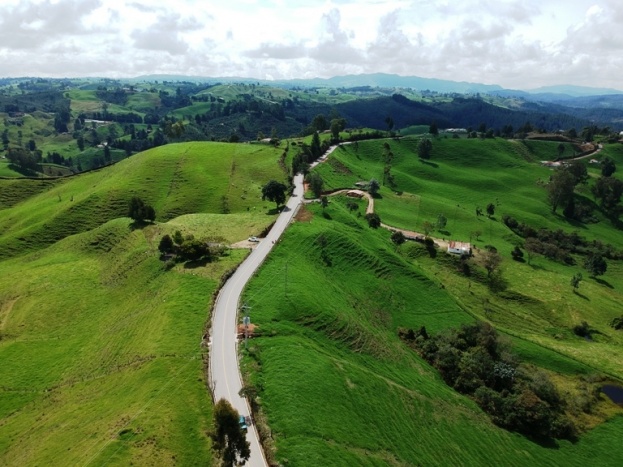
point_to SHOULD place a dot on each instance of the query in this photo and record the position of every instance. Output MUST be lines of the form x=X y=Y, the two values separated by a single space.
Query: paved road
x=224 y=370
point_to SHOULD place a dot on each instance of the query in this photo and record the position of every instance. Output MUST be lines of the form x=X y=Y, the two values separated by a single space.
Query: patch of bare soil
x=304 y=215
x=244 y=244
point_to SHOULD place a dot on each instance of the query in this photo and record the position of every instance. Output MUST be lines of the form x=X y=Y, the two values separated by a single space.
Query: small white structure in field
x=459 y=248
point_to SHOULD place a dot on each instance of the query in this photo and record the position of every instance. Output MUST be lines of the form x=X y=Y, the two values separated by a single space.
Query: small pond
x=615 y=393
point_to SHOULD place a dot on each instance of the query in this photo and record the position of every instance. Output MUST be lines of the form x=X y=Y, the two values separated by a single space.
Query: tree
x=579 y=172
x=373 y=219
x=228 y=437
x=492 y=260
x=337 y=125
x=315 y=147
x=441 y=222
x=139 y=211
x=274 y=191
x=373 y=186
x=595 y=264
x=398 y=238
x=561 y=149
x=319 y=123
x=424 y=148
x=80 y=142
x=166 y=244
x=490 y=209
x=575 y=281
x=609 y=190
x=427 y=227
x=608 y=167
x=324 y=202
x=433 y=129
x=517 y=254
x=560 y=189
x=316 y=184
x=389 y=121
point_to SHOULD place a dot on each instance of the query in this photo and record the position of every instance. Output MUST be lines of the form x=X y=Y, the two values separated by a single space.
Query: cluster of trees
x=306 y=154
x=24 y=158
x=475 y=361
x=558 y=245
x=607 y=190
x=189 y=248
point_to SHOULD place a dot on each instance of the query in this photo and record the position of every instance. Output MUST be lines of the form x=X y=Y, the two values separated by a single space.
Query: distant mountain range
x=384 y=80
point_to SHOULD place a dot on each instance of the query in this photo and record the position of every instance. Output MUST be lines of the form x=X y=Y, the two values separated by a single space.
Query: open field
x=102 y=362
x=338 y=387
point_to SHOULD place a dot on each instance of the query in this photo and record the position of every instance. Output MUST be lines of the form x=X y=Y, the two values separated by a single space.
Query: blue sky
x=520 y=45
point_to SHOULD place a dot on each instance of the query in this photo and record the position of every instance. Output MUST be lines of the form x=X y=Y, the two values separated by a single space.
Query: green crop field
x=337 y=386
x=100 y=345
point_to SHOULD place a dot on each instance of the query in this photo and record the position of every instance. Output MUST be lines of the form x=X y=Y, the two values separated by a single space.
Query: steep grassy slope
x=100 y=346
x=338 y=387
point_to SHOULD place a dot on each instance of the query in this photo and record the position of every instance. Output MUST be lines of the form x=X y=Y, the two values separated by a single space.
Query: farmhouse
x=459 y=248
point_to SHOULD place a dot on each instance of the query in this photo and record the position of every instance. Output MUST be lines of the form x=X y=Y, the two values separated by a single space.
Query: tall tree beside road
x=228 y=437
x=274 y=191
x=316 y=184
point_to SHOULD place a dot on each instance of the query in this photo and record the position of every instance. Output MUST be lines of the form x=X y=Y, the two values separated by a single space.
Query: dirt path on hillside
x=409 y=234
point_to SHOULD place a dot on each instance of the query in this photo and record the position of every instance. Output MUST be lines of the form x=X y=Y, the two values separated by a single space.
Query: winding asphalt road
x=225 y=376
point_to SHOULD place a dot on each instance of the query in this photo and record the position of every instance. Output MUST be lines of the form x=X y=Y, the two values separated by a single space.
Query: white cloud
x=515 y=44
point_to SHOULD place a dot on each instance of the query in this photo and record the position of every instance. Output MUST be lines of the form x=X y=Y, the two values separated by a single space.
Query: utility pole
x=246 y=321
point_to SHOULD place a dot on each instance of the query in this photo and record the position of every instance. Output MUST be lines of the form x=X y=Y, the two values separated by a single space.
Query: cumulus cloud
x=165 y=34
x=509 y=42
x=29 y=26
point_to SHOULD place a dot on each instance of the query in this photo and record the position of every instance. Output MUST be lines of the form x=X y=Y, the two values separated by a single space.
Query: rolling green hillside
x=336 y=385
x=176 y=179
x=464 y=174
x=99 y=343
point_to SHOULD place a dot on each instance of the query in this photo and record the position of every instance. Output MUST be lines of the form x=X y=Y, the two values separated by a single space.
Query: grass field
x=337 y=386
x=102 y=363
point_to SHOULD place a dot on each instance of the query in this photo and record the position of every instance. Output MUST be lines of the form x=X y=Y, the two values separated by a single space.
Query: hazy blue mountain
x=573 y=91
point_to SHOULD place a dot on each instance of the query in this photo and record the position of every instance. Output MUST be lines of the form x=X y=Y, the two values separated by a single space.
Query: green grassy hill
x=176 y=179
x=100 y=345
x=338 y=387
x=464 y=174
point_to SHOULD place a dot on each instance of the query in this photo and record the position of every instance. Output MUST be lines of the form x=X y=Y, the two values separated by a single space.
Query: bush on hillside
x=139 y=211
x=475 y=361
x=557 y=244
x=188 y=249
